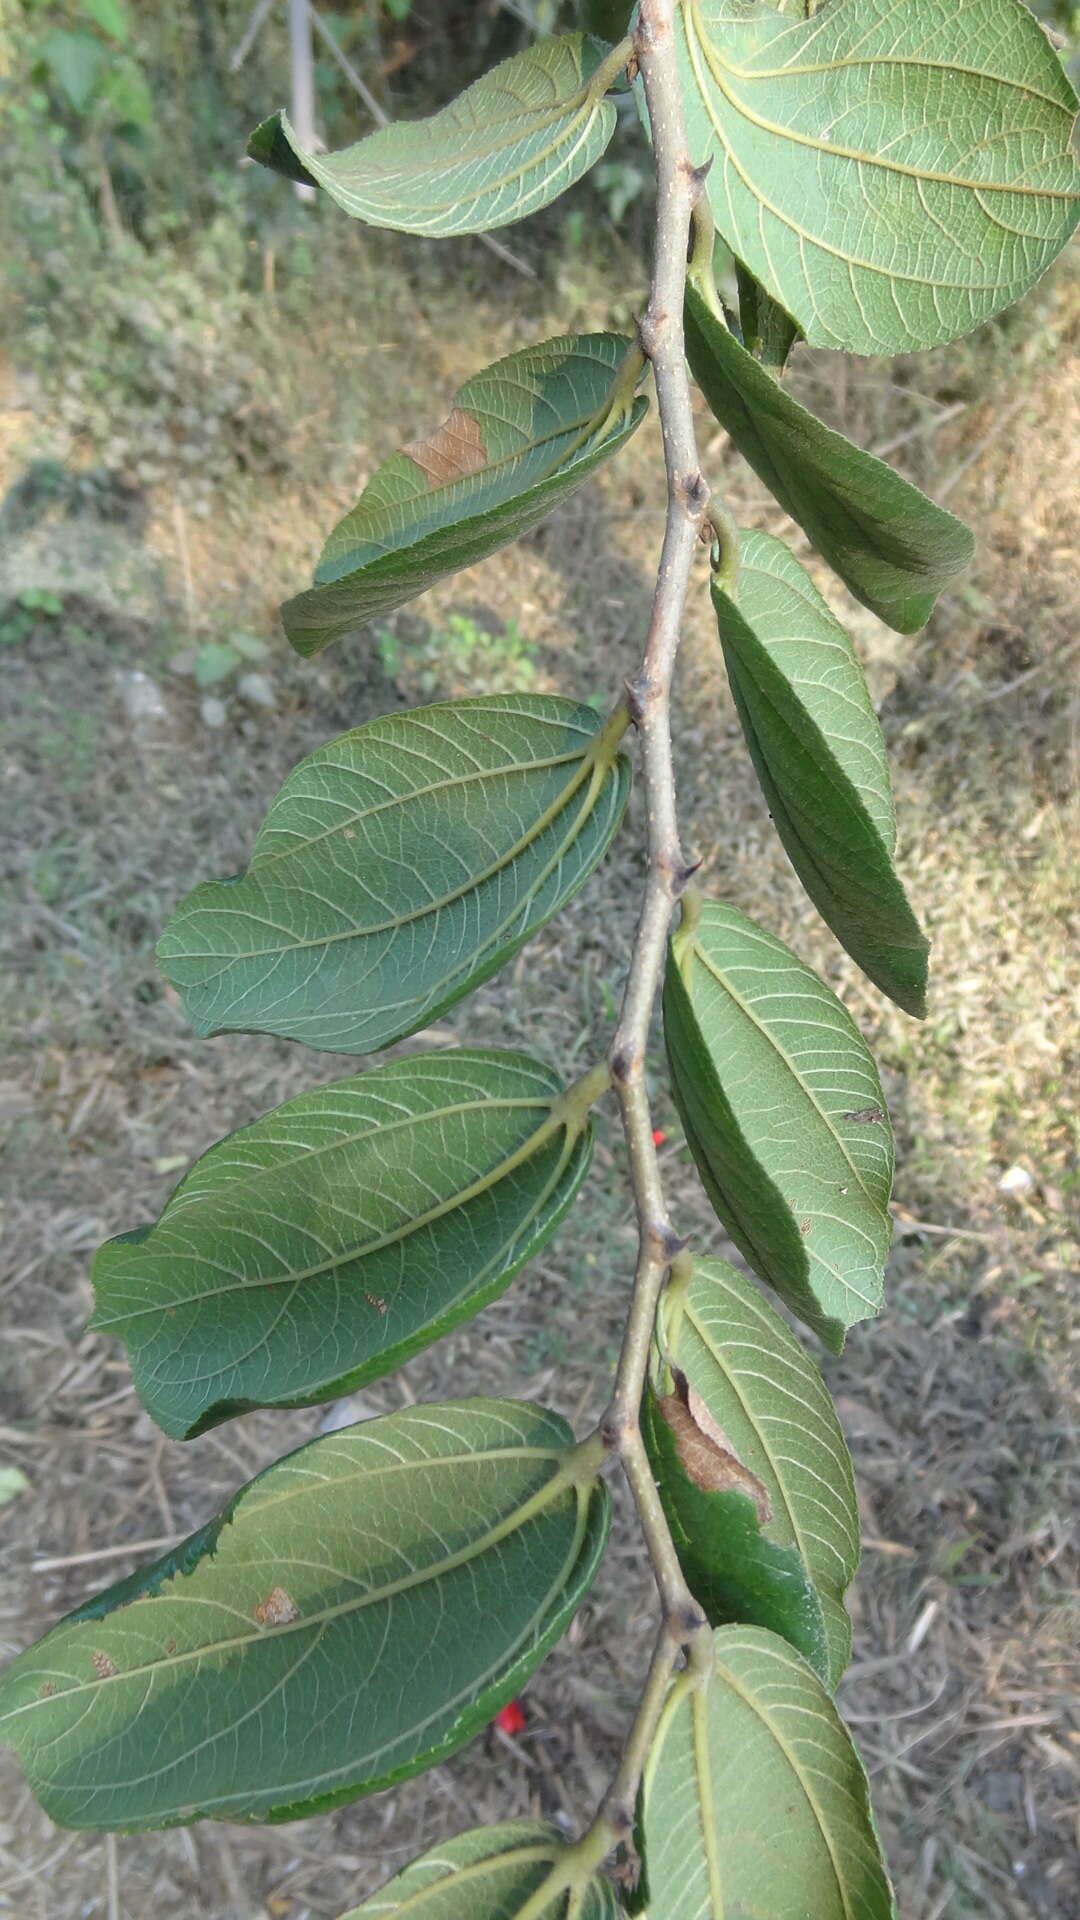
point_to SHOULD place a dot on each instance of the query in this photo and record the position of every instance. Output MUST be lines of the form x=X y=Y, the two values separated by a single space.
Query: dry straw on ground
x=958 y=1403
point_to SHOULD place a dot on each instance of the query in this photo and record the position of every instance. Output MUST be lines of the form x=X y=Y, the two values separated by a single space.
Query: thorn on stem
x=686 y=873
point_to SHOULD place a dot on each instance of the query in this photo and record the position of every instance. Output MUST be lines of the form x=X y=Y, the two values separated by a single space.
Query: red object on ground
x=659 y=1137
x=511 y=1718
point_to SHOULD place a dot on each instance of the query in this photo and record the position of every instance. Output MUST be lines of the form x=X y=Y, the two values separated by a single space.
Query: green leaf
x=490 y=1874
x=767 y=1395
x=214 y=662
x=319 y=1248
x=755 y=1801
x=513 y=142
x=522 y=436
x=608 y=18
x=784 y=1115
x=111 y=16
x=75 y=62
x=768 y=332
x=356 y=1614
x=892 y=176
x=816 y=744
x=128 y=94
x=399 y=866
x=891 y=546
x=716 y=1509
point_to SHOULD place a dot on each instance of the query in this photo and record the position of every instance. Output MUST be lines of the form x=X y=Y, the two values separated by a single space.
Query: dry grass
x=958 y=1403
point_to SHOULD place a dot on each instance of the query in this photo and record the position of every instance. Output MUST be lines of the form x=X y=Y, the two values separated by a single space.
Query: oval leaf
x=891 y=176
x=521 y=436
x=399 y=866
x=513 y=142
x=716 y=1510
x=492 y=1873
x=816 y=744
x=784 y=1115
x=754 y=1798
x=352 y=1226
x=764 y=1391
x=889 y=544
x=357 y=1613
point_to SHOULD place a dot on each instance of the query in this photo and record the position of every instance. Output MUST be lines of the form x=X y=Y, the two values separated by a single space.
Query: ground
x=958 y=1403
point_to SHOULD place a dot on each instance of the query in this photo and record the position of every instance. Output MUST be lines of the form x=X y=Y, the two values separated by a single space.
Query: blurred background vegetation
x=198 y=371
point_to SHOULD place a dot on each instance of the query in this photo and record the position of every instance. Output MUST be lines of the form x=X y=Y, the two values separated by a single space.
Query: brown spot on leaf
x=279 y=1609
x=376 y=1300
x=866 y=1116
x=804 y=1227
x=452 y=451
x=705 y=1452
x=46 y=1688
x=170 y=1646
x=104 y=1667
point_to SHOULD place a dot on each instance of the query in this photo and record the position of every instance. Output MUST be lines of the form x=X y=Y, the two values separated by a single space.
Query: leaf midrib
x=451 y=1204
x=589 y=766
x=577 y=130
x=755 y=1705
x=521 y=1516
x=454 y=493
x=718 y=64
x=462 y=1876
x=404 y=799
x=782 y=1054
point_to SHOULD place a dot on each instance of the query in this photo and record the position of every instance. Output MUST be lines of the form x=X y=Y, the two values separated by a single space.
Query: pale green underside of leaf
x=522 y=436
x=511 y=143
x=755 y=1800
x=817 y=748
x=399 y=866
x=767 y=1395
x=892 y=175
x=320 y=1247
x=488 y=1874
x=418 y=1566
x=890 y=545
x=785 y=1117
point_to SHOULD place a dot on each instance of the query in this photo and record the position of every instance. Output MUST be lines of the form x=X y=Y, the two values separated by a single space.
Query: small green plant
x=22 y=614
x=459 y=658
x=884 y=180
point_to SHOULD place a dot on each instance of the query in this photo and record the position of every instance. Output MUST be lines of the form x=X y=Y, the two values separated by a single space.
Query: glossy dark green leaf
x=889 y=544
x=755 y=1801
x=512 y=142
x=817 y=748
x=891 y=175
x=522 y=436
x=357 y=1613
x=320 y=1247
x=399 y=866
x=784 y=1115
x=491 y=1873
x=765 y=1393
x=717 y=1524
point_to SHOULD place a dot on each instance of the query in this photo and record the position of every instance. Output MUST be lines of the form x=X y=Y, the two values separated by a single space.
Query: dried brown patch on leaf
x=104 y=1667
x=705 y=1452
x=453 y=451
x=279 y=1609
x=866 y=1117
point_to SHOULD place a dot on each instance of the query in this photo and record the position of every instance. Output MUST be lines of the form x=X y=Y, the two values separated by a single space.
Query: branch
x=661 y=330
